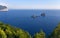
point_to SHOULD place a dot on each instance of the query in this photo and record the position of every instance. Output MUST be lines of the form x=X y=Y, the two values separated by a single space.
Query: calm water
x=22 y=19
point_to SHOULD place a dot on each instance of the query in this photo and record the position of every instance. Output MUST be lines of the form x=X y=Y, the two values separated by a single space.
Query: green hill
x=7 y=31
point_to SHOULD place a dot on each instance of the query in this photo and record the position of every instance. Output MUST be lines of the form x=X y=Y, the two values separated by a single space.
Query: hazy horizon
x=31 y=4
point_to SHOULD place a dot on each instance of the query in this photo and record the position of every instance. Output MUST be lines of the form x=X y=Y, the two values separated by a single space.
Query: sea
x=22 y=19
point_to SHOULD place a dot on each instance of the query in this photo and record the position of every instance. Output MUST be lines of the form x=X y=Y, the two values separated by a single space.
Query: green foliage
x=22 y=34
x=1 y=23
x=56 y=32
x=2 y=34
x=41 y=34
x=6 y=31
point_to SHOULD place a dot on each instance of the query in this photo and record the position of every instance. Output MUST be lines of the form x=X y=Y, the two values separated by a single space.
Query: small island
x=34 y=16
x=42 y=14
x=3 y=8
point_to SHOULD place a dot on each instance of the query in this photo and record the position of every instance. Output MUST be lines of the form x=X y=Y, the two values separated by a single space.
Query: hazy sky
x=31 y=4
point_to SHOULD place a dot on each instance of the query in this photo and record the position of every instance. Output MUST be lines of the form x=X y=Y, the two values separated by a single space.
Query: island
x=3 y=8
x=42 y=14
x=34 y=16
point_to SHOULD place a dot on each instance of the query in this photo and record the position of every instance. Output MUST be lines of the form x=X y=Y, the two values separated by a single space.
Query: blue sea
x=22 y=19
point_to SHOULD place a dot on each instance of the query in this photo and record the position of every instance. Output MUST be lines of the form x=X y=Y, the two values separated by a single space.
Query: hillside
x=6 y=31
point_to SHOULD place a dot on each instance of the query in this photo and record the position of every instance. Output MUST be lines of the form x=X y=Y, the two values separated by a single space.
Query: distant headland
x=3 y=8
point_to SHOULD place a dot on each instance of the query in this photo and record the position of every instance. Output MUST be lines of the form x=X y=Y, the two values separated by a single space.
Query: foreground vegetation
x=41 y=34
x=7 y=31
x=54 y=34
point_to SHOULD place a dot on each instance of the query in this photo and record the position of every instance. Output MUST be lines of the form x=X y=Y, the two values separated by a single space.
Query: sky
x=31 y=4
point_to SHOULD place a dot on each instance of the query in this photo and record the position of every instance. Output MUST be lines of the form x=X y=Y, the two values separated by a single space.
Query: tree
x=41 y=34
x=1 y=23
x=56 y=32
x=7 y=31
x=22 y=34
x=2 y=34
